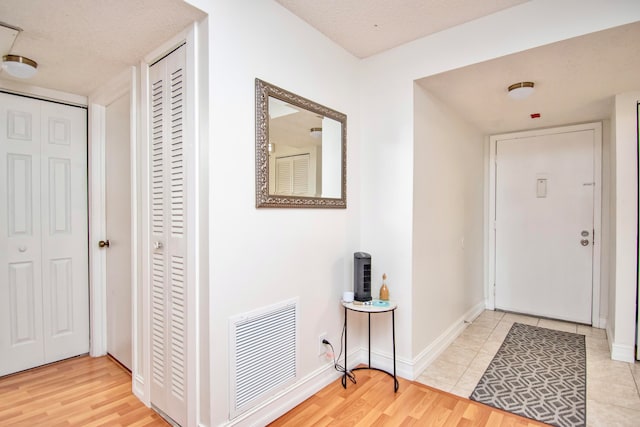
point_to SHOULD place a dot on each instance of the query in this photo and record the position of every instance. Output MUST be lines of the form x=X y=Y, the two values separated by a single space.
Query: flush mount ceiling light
x=315 y=132
x=19 y=66
x=520 y=90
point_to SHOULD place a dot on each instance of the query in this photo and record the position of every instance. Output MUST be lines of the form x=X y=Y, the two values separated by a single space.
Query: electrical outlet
x=322 y=348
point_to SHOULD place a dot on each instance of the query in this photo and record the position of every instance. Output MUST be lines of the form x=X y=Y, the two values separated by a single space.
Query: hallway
x=613 y=388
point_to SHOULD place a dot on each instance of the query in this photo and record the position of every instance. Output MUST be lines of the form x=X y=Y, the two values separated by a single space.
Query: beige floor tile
x=606 y=415
x=592 y=332
x=485 y=323
x=558 y=325
x=477 y=331
x=611 y=371
x=510 y=318
x=457 y=355
x=491 y=314
x=436 y=382
x=613 y=388
x=605 y=391
x=446 y=371
x=593 y=343
x=499 y=334
x=491 y=346
x=470 y=342
x=480 y=363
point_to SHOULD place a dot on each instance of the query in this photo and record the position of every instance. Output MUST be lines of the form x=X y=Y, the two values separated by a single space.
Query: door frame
x=490 y=222
x=98 y=101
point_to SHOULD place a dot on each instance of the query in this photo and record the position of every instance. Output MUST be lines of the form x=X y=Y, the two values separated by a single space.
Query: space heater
x=362 y=276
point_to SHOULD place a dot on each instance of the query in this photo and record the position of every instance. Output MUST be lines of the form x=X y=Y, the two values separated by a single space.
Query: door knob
x=584 y=242
x=157 y=245
x=104 y=243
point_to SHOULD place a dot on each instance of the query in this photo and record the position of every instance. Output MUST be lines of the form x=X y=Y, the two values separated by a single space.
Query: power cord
x=338 y=367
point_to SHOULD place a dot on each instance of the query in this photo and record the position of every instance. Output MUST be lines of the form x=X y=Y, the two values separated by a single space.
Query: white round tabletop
x=374 y=306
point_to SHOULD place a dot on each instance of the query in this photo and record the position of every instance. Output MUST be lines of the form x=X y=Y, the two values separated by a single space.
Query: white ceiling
x=81 y=44
x=367 y=27
x=575 y=81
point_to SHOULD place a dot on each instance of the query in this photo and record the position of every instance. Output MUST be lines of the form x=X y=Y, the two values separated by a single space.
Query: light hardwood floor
x=86 y=391
x=372 y=402
x=83 y=391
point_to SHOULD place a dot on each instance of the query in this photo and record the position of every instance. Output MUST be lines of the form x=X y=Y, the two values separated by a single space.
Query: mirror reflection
x=300 y=151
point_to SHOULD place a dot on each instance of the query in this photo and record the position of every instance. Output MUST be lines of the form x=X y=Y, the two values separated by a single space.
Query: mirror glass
x=300 y=151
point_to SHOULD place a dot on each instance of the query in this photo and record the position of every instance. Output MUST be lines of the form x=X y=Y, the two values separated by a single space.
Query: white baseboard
x=323 y=376
x=433 y=350
x=291 y=397
x=623 y=353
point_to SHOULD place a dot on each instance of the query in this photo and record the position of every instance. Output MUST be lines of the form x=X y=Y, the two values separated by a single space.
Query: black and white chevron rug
x=540 y=374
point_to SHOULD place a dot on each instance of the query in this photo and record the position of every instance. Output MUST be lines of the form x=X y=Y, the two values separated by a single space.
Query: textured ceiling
x=575 y=81
x=81 y=44
x=367 y=27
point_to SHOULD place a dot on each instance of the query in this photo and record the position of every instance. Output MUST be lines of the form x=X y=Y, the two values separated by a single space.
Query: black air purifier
x=362 y=276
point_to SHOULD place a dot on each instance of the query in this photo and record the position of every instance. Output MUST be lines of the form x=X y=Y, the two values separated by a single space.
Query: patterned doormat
x=540 y=374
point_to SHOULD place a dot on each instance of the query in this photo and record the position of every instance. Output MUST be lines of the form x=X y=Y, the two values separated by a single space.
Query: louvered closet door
x=43 y=233
x=168 y=209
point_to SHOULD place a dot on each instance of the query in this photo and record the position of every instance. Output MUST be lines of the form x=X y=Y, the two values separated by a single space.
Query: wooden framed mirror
x=301 y=151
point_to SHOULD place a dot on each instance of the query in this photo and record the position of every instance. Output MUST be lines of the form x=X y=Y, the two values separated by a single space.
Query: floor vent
x=263 y=354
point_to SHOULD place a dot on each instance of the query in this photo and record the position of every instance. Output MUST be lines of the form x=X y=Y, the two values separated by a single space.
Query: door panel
x=118 y=219
x=43 y=233
x=544 y=204
x=168 y=236
x=21 y=322
x=65 y=231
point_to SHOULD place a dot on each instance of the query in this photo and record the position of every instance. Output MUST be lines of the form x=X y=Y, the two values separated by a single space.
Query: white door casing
x=43 y=254
x=118 y=230
x=545 y=193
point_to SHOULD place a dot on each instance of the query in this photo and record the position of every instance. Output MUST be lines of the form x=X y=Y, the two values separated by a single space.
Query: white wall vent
x=264 y=349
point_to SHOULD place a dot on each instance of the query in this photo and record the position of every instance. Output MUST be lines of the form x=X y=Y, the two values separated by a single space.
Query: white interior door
x=545 y=225
x=44 y=304
x=168 y=236
x=118 y=228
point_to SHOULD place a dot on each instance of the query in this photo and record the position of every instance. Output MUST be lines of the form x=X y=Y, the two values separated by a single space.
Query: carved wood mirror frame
x=266 y=197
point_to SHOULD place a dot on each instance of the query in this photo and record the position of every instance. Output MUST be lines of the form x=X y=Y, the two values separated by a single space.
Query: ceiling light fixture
x=315 y=132
x=19 y=66
x=520 y=90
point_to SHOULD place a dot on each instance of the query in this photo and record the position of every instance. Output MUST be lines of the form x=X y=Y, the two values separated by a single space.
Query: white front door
x=44 y=305
x=118 y=227
x=544 y=224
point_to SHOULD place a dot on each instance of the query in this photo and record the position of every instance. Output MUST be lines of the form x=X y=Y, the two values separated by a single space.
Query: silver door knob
x=157 y=245
x=22 y=248
x=104 y=243
x=584 y=242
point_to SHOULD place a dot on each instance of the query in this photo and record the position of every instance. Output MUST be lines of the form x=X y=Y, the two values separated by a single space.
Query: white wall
x=388 y=125
x=259 y=257
x=448 y=219
x=260 y=39
x=624 y=219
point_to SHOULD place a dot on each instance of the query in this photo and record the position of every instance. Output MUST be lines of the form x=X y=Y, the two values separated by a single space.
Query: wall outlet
x=322 y=348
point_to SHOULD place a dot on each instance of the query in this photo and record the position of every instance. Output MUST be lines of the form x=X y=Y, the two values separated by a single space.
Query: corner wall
x=621 y=327
x=260 y=257
x=448 y=219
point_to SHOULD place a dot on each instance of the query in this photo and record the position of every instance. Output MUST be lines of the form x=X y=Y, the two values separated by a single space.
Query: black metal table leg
x=344 y=375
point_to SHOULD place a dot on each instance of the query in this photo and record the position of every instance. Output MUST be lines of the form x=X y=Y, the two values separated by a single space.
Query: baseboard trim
x=622 y=353
x=439 y=345
x=326 y=374
x=291 y=397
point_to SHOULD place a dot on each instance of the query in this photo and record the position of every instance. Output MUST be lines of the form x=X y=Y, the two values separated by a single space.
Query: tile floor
x=613 y=388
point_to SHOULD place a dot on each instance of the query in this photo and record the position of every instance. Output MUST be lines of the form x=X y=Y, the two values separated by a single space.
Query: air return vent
x=263 y=354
